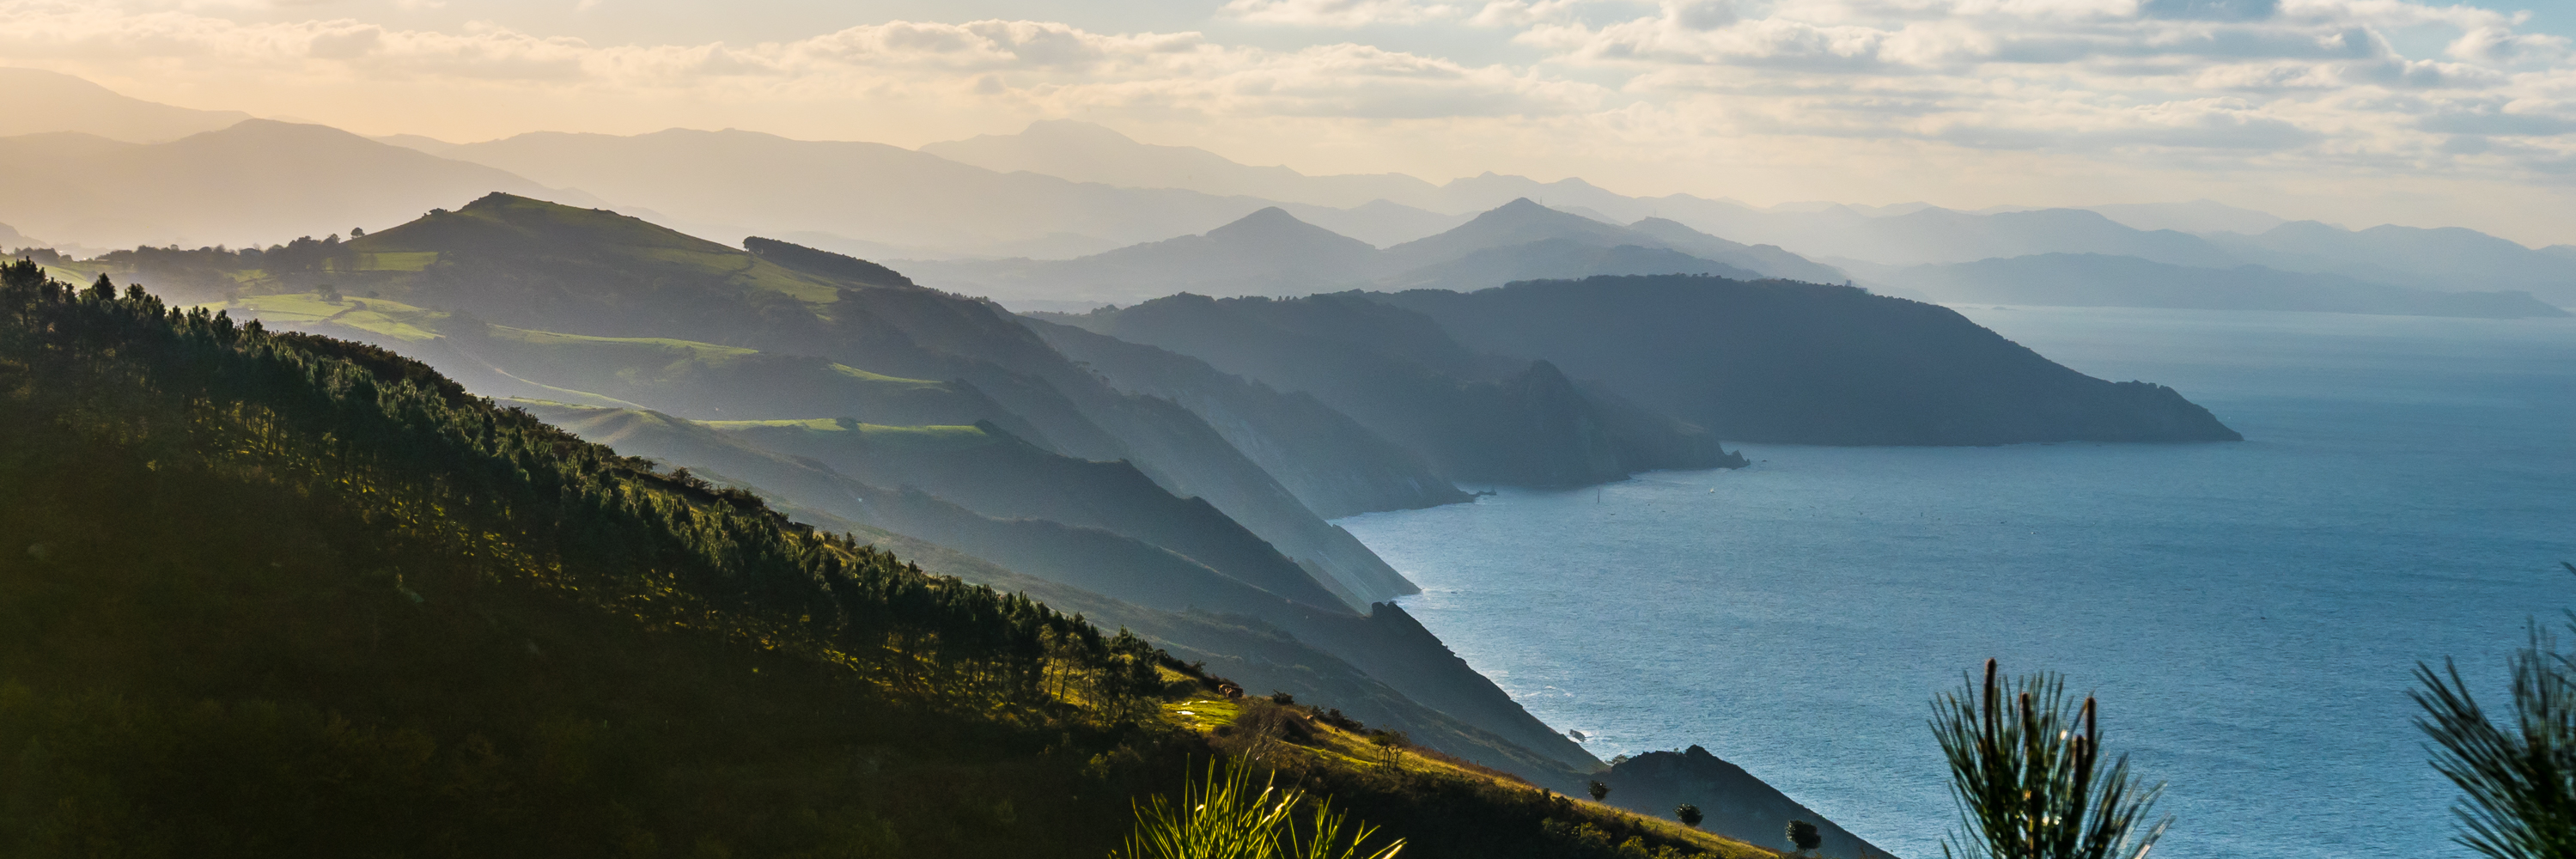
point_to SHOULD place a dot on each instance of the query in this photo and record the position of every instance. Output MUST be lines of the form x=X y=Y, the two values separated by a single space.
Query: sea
x=2249 y=615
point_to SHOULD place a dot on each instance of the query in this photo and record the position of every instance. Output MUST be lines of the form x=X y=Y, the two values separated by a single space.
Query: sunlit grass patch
x=374 y=315
x=1202 y=712
x=880 y=378
x=396 y=261
x=693 y=348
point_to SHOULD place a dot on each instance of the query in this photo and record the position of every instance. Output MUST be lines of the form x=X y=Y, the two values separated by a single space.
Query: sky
x=2350 y=111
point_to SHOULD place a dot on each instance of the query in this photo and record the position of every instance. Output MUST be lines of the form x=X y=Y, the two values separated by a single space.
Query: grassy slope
x=601 y=235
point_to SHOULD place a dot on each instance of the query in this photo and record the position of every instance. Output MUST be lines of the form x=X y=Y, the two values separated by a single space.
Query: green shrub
x=1221 y=816
x=2518 y=779
x=2027 y=777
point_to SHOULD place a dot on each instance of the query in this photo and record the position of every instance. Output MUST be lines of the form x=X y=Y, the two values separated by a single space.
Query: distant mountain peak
x=34 y=101
x=1266 y=243
x=1268 y=216
x=1272 y=223
x=1075 y=129
x=1525 y=213
x=280 y=133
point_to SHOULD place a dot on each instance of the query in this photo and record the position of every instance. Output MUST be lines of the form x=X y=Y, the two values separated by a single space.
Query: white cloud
x=2317 y=82
x=1341 y=14
x=1523 y=13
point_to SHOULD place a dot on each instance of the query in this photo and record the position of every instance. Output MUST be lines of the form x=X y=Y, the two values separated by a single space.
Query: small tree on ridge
x=1803 y=835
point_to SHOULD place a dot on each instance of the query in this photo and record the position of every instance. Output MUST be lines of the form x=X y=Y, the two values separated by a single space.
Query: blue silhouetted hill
x=1732 y=799
x=1801 y=363
x=1473 y=416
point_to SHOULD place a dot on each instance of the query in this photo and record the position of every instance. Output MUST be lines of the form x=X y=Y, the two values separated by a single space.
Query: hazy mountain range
x=1066 y=213
x=1271 y=252
x=35 y=102
x=252 y=182
x=2116 y=281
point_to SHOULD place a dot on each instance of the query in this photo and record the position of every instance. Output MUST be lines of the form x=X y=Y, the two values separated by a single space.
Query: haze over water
x=2248 y=613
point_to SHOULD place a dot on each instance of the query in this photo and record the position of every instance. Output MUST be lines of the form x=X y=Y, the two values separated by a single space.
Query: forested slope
x=285 y=595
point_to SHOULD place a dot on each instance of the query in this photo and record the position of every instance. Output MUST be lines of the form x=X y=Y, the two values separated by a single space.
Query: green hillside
x=997 y=474
x=685 y=377
x=811 y=359
x=514 y=262
x=531 y=299
x=285 y=595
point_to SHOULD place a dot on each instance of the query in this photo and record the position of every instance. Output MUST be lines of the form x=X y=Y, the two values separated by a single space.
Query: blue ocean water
x=2247 y=613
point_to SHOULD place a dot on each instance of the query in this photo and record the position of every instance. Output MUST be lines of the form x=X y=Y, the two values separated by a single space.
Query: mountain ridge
x=1775 y=361
x=2094 y=280
x=250 y=183
x=1472 y=417
x=1272 y=252
x=34 y=101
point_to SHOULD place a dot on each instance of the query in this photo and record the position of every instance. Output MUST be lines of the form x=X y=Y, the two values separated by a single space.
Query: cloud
x=1048 y=65
x=1341 y=14
x=2210 y=10
x=2175 y=82
x=1523 y=13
